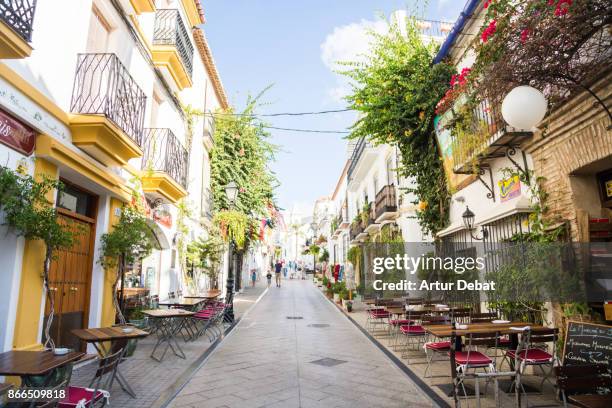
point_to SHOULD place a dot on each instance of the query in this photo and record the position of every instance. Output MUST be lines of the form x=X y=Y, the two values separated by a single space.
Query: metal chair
x=534 y=353
x=433 y=348
x=482 y=317
x=52 y=402
x=97 y=394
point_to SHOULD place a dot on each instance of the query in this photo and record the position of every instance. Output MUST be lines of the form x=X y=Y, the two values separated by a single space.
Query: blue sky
x=292 y=44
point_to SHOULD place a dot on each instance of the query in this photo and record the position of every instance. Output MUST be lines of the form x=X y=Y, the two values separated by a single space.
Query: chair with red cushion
x=413 y=334
x=535 y=353
x=97 y=394
x=470 y=358
x=433 y=348
x=376 y=317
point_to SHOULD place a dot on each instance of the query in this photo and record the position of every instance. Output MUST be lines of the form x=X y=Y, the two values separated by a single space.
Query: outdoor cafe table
x=209 y=294
x=168 y=324
x=26 y=364
x=115 y=334
x=446 y=330
x=185 y=302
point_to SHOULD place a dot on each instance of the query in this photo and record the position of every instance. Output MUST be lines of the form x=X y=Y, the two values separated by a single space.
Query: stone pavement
x=295 y=349
x=156 y=382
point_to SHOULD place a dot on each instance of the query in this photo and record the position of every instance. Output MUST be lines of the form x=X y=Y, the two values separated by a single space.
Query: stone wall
x=573 y=136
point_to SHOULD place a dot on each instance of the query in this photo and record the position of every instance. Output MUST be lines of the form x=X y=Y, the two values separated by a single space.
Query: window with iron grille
x=103 y=86
x=170 y=30
x=164 y=152
x=19 y=15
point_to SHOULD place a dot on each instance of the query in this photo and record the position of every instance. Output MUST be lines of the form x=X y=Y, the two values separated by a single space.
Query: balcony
x=143 y=6
x=372 y=226
x=172 y=49
x=107 y=110
x=386 y=204
x=16 y=20
x=356 y=231
x=434 y=30
x=361 y=161
x=490 y=138
x=164 y=164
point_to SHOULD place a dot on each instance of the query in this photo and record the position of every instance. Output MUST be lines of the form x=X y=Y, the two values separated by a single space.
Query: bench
x=579 y=385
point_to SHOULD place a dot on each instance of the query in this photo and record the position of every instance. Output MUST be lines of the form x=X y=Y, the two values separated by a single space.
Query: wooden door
x=69 y=281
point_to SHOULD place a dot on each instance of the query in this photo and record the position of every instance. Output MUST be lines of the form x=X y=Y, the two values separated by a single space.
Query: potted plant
x=29 y=212
x=131 y=239
x=329 y=290
x=349 y=306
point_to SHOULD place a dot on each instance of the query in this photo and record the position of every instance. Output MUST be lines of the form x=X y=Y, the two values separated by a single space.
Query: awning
x=503 y=210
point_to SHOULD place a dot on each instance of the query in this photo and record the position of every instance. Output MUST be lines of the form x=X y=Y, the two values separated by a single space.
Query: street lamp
x=468 y=221
x=524 y=107
x=231 y=192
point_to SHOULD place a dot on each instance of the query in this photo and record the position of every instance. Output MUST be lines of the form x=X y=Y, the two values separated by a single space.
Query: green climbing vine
x=396 y=91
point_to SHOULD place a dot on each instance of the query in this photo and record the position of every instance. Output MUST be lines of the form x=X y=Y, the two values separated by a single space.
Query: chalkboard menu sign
x=587 y=343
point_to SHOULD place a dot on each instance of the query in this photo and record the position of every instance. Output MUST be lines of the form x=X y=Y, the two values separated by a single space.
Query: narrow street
x=320 y=359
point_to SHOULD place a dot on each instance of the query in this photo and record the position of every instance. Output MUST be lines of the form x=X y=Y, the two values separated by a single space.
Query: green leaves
x=241 y=153
x=396 y=91
x=131 y=237
x=28 y=210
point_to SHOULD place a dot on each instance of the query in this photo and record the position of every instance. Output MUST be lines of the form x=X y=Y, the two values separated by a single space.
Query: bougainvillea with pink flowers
x=556 y=46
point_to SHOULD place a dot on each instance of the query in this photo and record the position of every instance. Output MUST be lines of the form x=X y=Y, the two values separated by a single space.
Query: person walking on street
x=269 y=276
x=253 y=277
x=278 y=269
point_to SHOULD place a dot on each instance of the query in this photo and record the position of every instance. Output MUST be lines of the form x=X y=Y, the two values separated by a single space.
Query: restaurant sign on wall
x=509 y=188
x=16 y=135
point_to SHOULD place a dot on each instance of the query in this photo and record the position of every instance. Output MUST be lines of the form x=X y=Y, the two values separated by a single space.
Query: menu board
x=587 y=343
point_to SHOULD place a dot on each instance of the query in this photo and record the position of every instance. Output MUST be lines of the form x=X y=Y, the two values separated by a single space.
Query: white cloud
x=348 y=43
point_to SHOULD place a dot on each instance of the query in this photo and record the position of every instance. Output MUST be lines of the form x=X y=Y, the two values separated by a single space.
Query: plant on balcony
x=29 y=212
x=556 y=46
x=364 y=214
x=130 y=240
x=396 y=90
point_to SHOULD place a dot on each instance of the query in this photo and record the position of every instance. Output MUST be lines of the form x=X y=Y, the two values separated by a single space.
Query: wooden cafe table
x=184 y=302
x=169 y=323
x=208 y=295
x=446 y=330
x=116 y=334
x=26 y=364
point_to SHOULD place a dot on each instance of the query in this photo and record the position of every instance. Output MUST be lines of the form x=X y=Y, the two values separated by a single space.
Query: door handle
x=53 y=289
x=73 y=289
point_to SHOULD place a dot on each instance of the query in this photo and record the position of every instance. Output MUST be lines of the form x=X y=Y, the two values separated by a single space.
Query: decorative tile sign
x=16 y=135
x=509 y=188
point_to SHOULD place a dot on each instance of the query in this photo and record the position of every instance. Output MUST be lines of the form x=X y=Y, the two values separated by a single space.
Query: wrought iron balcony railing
x=356 y=229
x=434 y=29
x=19 y=15
x=102 y=85
x=343 y=214
x=164 y=152
x=170 y=30
x=360 y=147
x=489 y=137
x=386 y=200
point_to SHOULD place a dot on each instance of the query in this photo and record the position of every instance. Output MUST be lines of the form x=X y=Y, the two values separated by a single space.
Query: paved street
x=270 y=360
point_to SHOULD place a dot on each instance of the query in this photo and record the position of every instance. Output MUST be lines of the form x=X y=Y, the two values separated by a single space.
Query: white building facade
x=114 y=99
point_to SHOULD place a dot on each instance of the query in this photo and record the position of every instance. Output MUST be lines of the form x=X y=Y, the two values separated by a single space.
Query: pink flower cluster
x=489 y=31
x=457 y=82
x=524 y=35
x=487 y=3
x=562 y=6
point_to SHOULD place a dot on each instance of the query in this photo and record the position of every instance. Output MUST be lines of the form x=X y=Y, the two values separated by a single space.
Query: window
x=390 y=178
x=156 y=102
x=99 y=32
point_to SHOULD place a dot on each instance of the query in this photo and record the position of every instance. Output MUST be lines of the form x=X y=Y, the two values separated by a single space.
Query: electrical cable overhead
x=344 y=132
x=324 y=112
